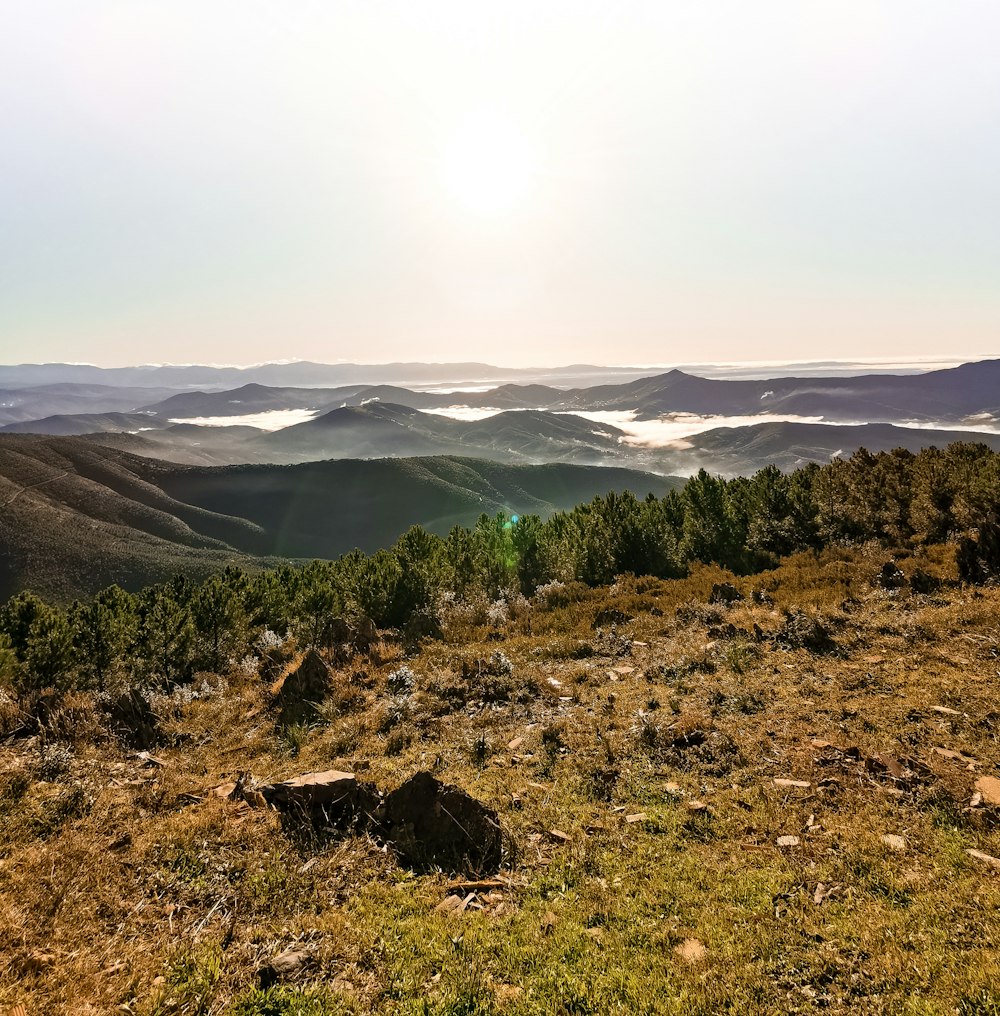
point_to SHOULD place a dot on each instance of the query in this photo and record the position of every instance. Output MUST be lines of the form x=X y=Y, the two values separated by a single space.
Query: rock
x=365 y=634
x=788 y=841
x=608 y=616
x=691 y=951
x=992 y=862
x=894 y=842
x=801 y=631
x=988 y=787
x=433 y=825
x=332 y=797
x=422 y=624
x=725 y=593
x=639 y=816
x=922 y=582
x=282 y=966
x=305 y=688
x=891 y=577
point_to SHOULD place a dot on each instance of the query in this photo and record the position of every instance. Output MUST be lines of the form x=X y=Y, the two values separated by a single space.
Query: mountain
x=382 y=429
x=86 y=423
x=744 y=450
x=301 y=373
x=34 y=403
x=76 y=516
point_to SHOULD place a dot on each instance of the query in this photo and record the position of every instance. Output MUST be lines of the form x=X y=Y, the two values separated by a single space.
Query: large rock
x=433 y=825
x=305 y=688
x=330 y=798
x=725 y=593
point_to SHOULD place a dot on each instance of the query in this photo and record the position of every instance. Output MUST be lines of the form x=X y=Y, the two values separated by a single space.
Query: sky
x=236 y=181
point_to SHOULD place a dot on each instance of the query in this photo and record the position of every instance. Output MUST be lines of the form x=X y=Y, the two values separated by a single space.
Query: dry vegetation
x=647 y=772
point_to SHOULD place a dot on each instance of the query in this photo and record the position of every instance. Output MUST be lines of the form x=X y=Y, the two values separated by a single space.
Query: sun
x=488 y=166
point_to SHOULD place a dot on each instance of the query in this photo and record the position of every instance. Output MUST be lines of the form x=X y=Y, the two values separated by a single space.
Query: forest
x=168 y=632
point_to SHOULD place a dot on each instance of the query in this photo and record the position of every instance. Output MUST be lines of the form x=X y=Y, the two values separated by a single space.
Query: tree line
x=170 y=631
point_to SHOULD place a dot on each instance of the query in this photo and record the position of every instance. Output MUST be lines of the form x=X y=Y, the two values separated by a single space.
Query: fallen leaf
x=798 y=784
x=515 y=744
x=558 y=834
x=945 y=711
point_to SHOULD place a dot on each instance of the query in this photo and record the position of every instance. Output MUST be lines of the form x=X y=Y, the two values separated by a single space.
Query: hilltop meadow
x=738 y=746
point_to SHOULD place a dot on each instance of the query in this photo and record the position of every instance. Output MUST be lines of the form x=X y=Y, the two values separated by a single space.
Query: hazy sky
x=240 y=180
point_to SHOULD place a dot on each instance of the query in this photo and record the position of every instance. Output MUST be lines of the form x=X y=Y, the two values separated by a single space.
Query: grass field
x=705 y=809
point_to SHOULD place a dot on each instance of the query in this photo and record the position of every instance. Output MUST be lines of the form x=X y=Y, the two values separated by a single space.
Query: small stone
x=691 y=951
x=788 y=841
x=993 y=862
x=989 y=789
x=639 y=816
x=894 y=842
x=283 y=965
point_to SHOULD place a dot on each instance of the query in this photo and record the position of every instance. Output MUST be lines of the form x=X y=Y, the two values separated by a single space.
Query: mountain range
x=76 y=516
x=800 y=419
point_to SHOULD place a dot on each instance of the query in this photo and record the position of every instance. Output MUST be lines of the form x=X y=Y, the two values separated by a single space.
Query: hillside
x=76 y=516
x=741 y=450
x=786 y=805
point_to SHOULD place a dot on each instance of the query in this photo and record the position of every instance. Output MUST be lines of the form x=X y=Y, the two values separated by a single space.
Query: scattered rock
x=330 y=798
x=725 y=593
x=923 y=583
x=433 y=825
x=691 y=951
x=801 y=631
x=988 y=787
x=993 y=862
x=639 y=816
x=894 y=842
x=891 y=576
x=609 y=616
x=305 y=688
x=284 y=965
x=365 y=634
x=788 y=841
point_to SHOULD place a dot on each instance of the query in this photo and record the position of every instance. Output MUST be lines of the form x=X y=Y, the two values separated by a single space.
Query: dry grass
x=121 y=892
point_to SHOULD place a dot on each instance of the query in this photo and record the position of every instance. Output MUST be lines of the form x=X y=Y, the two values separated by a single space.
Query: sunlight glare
x=488 y=165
